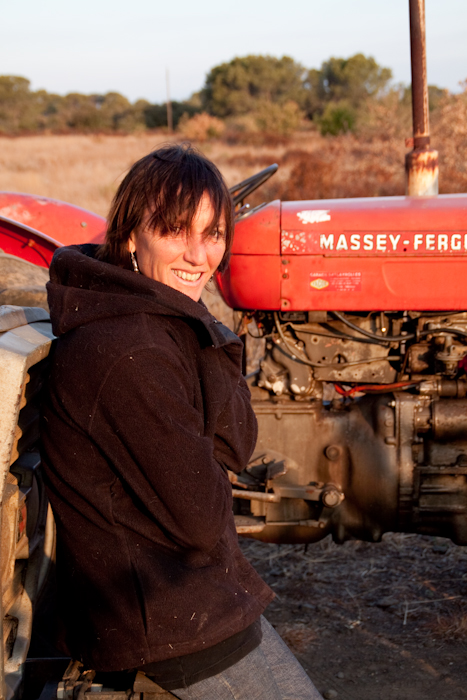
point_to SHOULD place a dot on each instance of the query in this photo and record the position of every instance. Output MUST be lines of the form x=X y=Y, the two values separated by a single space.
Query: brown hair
x=169 y=183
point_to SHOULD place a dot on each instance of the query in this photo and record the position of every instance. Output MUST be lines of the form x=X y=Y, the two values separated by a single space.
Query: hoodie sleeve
x=236 y=430
x=146 y=424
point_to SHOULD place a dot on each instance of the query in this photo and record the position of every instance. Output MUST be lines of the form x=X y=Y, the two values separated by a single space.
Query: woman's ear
x=132 y=243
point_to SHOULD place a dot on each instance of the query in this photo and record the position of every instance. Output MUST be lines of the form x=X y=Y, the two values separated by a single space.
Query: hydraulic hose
x=397 y=338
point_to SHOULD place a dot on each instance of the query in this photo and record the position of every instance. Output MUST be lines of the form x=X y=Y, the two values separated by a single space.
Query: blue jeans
x=269 y=672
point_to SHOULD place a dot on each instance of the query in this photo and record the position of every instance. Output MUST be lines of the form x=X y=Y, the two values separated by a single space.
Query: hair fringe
x=170 y=183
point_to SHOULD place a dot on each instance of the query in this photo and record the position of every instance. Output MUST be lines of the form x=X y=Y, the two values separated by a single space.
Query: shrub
x=344 y=167
x=201 y=127
x=274 y=119
x=449 y=137
x=337 y=119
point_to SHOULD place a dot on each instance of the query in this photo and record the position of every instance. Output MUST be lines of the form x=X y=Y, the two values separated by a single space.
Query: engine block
x=362 y=427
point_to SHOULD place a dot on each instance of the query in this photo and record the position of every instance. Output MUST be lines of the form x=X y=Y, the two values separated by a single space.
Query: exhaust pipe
x=421 y=164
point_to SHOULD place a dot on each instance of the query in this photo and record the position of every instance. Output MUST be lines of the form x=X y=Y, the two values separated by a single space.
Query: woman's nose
x=195 y=251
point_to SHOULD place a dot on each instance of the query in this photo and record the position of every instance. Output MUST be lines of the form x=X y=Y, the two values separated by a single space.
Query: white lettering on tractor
x=421 y=243
x=442 y=241
x=314 y=216
x=417 y=241
x=342 y=243
x=326 y=242
x=381 y=242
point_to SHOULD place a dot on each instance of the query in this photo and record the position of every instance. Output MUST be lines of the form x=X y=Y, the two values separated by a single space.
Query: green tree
x=116 y=112
x=345 y=80
x=51 y=111
x=81 y=113
x=280 y=120
x=238 y=87
x=155 y=115
x=353 y=79
x=113 y=108
x=109 y=112
x=19 y=110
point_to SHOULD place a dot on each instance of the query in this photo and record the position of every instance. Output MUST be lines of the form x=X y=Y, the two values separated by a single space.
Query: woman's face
x=183 y=260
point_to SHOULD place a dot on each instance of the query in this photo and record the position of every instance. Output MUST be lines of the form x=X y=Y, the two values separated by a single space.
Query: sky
x=97 y=46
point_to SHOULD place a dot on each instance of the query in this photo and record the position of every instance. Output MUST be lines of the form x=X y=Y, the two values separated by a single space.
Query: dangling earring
x=134 y=262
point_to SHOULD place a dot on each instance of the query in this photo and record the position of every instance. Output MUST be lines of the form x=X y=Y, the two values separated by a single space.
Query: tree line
x=265 y=93
x=23 y=110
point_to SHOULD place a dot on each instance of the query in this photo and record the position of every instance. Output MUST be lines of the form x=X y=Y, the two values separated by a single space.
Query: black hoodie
x=145 y=409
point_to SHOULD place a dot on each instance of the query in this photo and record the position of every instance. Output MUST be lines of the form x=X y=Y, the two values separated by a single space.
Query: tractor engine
x=360 y=391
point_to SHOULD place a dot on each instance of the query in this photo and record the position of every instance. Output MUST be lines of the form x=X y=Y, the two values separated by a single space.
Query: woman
x=146 y=410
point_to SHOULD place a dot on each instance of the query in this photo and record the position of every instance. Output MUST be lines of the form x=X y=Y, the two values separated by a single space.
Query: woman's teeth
x=189 y=277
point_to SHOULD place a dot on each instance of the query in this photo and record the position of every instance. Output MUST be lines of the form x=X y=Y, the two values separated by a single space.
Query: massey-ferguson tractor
x=360 y=309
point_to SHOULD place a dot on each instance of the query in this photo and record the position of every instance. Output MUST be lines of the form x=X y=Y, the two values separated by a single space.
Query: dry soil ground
x=381 y=621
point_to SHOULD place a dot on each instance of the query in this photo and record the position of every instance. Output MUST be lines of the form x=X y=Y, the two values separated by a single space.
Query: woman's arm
x=146 y=424
x=236 y=430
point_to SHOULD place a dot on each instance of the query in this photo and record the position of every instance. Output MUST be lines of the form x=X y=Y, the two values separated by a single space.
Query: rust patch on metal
x=422 y=172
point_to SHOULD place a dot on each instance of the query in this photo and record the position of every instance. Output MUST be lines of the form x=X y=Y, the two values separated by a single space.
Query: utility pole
x=170 y=124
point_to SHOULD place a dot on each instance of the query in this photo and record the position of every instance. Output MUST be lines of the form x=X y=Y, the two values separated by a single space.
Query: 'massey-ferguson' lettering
x=303 y=243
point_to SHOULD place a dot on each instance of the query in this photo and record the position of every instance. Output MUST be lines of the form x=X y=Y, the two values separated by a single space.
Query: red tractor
x=361 y=392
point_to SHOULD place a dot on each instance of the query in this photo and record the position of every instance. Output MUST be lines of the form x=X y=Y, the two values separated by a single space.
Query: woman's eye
x=173 y=231
x=217 y=236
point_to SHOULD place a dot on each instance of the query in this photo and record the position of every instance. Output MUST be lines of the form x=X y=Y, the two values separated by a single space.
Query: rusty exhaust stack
x=421 y=164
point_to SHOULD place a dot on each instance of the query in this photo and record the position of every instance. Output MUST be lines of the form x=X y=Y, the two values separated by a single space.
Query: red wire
x=372 y=387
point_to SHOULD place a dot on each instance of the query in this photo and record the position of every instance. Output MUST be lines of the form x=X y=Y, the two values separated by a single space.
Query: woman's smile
x=187 y=276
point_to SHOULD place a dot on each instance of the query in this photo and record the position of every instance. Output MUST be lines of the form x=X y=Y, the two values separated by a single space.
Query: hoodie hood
x=83 y=289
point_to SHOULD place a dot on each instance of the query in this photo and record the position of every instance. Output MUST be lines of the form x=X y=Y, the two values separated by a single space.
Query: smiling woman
x=173 y=193
x=184 y=258
x=145 y=413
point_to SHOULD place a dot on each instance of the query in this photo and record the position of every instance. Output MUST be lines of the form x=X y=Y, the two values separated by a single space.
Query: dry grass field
x=86 y=169
x=82 y=170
